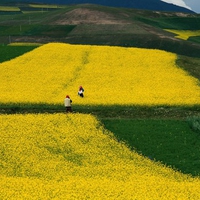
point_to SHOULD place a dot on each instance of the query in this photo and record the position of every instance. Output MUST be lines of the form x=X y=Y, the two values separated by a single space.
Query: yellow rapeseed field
x=184 y=34
x=46 y=6
x=109 y=75
x=72 y=156
x=9 y=8
x=24 y=44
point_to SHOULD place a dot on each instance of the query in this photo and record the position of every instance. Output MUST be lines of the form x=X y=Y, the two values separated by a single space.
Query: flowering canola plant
x=109 y=75
x=59 y=156
x=24 y=44
x=184 y=34
x=9 y=8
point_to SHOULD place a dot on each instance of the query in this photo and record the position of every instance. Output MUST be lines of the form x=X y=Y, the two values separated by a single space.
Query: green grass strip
x=10 y=52
x=172 y=142
x=106 y=112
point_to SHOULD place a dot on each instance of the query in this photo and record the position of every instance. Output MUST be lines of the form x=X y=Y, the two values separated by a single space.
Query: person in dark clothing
x=80 y=91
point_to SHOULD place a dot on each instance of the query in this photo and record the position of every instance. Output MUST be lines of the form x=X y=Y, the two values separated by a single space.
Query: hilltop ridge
x=155 y=5
x=101 y=25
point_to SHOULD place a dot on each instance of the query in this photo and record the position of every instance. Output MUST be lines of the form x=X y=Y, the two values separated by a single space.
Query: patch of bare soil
x=160 y=34
x=174 y=14
x=87 y=16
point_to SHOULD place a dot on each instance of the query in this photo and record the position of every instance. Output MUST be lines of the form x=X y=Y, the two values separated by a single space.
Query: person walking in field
x=67 y=103
x=80 y=91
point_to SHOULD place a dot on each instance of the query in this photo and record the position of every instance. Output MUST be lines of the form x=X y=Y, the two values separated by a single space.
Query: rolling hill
x=157 y=5
x=100 y=25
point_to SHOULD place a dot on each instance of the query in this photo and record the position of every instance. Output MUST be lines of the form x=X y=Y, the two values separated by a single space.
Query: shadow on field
x=102 y=111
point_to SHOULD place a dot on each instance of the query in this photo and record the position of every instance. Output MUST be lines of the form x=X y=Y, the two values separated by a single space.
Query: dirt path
x=88 y=16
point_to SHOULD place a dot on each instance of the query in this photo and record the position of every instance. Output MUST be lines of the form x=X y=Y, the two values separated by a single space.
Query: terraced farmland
x=75 y=156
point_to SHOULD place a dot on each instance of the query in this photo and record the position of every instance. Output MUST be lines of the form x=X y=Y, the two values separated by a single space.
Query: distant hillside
x=100 y=25
x=156 y=5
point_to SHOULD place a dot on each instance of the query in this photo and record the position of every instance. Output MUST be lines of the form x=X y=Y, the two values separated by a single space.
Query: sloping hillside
x=99 y=25
x=141 y=76
x=157 y=5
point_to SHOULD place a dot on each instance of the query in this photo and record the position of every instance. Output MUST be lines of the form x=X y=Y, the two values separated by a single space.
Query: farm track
x=127 y=28
x=129 y=112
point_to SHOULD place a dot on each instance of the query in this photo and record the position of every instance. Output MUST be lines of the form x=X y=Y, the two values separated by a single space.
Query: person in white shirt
x=67 y=103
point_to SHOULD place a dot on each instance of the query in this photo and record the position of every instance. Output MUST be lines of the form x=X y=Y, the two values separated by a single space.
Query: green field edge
x=160 y=133
x=173 y=143
x=106 y=111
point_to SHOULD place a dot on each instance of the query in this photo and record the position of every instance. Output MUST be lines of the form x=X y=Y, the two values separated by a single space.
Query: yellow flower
x=184 y=34
x=109 y=75
x=71 y=156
